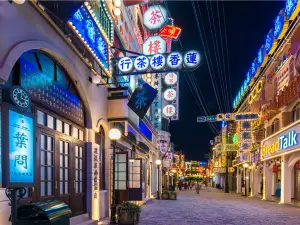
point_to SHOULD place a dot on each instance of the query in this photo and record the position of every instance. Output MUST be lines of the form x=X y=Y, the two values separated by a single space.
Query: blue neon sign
x=21 y=148
x=290 y=7
x=90 y=33
x=278 y=25
x=289 y=140
x=269 y=42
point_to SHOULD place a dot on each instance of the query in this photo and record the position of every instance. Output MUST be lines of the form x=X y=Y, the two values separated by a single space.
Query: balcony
x=288 y=94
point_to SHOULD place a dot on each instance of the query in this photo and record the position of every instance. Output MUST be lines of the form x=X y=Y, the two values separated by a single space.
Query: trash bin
x=50 y=212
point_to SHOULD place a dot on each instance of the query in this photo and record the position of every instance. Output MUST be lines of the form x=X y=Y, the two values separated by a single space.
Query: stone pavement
x=217 y=208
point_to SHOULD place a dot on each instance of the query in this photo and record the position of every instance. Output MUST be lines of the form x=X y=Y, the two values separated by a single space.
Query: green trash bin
x=50 y=212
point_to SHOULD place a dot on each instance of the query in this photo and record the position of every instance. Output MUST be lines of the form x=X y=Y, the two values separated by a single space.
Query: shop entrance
x=297 y=181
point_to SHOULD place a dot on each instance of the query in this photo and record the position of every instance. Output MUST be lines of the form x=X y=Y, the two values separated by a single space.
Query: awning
x=143 y=146
x=131 y=137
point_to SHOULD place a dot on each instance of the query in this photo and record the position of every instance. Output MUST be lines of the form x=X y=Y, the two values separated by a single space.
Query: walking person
x=197 y=188
x=278 y=189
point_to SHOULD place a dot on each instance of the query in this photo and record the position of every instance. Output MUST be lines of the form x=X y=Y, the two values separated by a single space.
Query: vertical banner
x=18 y=159
x=170 y=102
x=157 y=104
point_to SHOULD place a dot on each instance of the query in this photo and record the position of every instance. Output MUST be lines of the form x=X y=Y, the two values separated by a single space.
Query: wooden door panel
x=135 y=188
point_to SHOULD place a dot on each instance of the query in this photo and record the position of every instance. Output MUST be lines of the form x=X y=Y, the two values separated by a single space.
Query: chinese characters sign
x=141 y=99
x=158 y=62
x=154 y=45
x=155 y=18
x=87 y=27
x=96 y=173
x=21 y=148
x=156 y=105
x=171 y=97
x=170 y=32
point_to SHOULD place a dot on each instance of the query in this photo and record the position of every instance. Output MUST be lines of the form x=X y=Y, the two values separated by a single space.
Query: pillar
x=256 y=182
x=267 y=181
x=238 y=182
x=286 y=182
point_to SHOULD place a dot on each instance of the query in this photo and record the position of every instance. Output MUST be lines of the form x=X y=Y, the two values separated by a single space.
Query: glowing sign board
x=169 y=110
x=170 y=32
x=154 y=45
x=170 y=94
x=155 y=18
x=171 y=78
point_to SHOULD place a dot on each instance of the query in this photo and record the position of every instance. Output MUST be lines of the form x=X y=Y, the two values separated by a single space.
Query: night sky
x=247 y=23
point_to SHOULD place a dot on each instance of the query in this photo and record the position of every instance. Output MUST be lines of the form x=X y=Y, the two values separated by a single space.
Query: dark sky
x=247 y=23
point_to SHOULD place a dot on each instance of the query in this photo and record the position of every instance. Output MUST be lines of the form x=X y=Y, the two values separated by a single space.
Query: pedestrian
x=185 y=185
x=261 y=186
x=179 y=185
x=197 y=188
x=278 y=188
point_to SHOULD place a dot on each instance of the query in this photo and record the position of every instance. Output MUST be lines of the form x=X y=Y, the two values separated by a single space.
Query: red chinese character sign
x=169 y=110
x=154 y=45
x=170 y=32
x=171 y=78
x=155 y=18
x=170 y=94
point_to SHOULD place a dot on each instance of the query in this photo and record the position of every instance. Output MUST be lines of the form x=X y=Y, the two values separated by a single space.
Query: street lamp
x=158 y=163
x=114 y=135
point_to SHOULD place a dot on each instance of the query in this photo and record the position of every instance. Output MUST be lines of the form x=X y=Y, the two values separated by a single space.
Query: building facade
x=61 y=56
x=269 y=165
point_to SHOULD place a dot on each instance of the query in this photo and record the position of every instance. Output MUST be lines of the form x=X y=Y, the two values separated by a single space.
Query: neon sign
x=155 y=17
x=170 y=32
x=284 y=142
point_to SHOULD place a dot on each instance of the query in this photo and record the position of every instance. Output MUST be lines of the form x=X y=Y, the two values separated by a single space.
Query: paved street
x=216 y=208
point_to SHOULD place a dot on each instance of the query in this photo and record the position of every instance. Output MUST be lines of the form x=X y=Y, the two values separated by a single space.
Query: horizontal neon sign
x=283 y=142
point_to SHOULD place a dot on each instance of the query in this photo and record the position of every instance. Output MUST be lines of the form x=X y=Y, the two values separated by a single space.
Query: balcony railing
x=288 y=94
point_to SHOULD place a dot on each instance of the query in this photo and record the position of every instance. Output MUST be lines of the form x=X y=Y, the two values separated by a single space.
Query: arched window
x=295 y=112
x=275 y=126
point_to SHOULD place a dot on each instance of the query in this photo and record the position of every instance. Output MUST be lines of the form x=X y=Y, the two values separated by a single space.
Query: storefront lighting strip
x=284 y=153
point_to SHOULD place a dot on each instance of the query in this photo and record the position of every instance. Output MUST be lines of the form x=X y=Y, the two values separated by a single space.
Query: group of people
x=181 y=185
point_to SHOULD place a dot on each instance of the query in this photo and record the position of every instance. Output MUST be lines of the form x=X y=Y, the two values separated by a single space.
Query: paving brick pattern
x=217 y=208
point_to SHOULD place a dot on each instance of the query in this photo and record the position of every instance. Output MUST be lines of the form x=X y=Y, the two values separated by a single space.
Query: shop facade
x=69 y=110
x=280 y=155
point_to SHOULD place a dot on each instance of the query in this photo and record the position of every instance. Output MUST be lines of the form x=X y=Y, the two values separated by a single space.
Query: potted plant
x=165 y=195
x=173 y=195
x=128 y=213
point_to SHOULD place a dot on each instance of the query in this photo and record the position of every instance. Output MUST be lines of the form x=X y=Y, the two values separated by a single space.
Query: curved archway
x=16 y=52
x=293 y=159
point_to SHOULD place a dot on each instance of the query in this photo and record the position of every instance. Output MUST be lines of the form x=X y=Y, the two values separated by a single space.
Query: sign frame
x=5 y=108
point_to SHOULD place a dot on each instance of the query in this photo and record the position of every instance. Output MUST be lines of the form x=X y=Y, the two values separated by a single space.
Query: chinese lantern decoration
x=275 y=168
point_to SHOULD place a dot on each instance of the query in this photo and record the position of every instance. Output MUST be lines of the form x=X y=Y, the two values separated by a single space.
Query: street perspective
x=149 y=112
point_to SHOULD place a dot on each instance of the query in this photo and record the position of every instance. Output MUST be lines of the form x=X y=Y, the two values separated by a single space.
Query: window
x=78 y=169
x=63 y=167
x=275 y=126
x=135 y=173
x=296 y=112
x=121 y=171
x=47 y=165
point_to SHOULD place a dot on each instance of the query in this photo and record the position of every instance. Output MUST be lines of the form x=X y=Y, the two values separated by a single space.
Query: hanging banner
x=157 y=103
x=172 y=62
x=142 y=99
x=171 y=96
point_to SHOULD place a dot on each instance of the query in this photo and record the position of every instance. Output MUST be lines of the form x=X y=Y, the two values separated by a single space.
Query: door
x=297 y=183
x=135 y=180
x=63 y=159
x=78 y=178
x=45 y=189
x=121 y=177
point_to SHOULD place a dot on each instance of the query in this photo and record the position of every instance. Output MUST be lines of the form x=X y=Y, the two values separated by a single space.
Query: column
x=286 y=182
x=267 y=181
x=255 y=182
x=238 y=182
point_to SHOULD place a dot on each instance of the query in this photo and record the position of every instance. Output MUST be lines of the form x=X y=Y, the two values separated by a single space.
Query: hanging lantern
x=298 y=165
x=275 y=168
